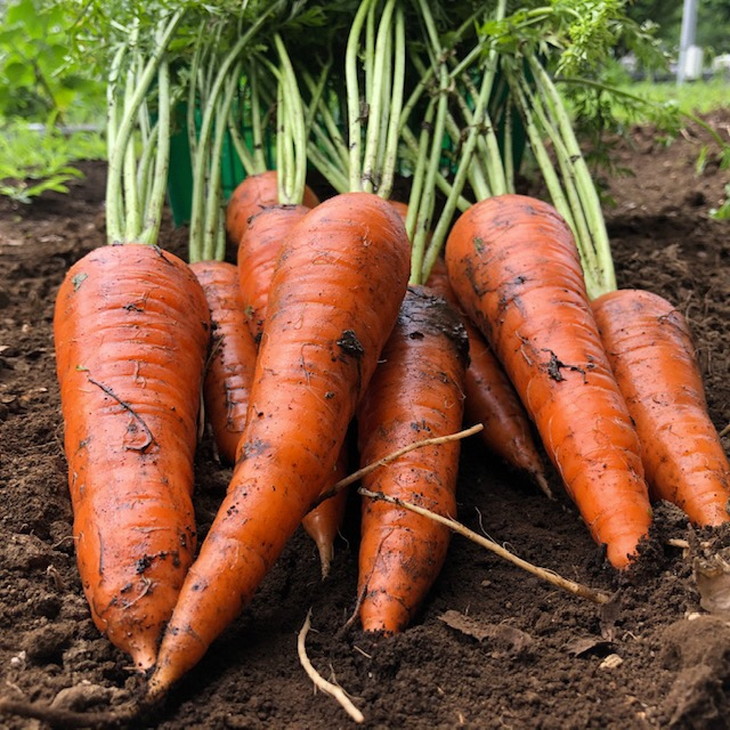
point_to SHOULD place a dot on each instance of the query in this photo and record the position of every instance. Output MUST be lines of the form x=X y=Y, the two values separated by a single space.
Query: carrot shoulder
x=232 y=358
x=416 y=393
x=515 y=269
x=650 y=349
x=334 y=299
x=253 y=194
x=258 y=251
x=131 y=330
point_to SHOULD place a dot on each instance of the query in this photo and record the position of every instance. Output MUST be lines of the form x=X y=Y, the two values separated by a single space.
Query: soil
x=493 y=647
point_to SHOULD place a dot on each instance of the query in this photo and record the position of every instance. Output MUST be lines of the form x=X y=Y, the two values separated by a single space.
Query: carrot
x=514 y=266
x=416 y=392
x=253 y=194
x=258 y=249
x=650 y=348
x=323 y=523
x=131 y=330
x=490 y=397
x=233 y=356
x=334 y=298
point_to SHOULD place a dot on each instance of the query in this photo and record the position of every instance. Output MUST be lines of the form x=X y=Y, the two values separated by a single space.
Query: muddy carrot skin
x=258 y=250
x=334 y=299
x=416 y=393
x=514 y=266
x=253 y=194
x=490 y=397
x=131 y=330
x=232 y=356
x=650 y=348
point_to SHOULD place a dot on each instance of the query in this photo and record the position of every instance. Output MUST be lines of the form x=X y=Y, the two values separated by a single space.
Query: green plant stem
x=132 y=202
x=354 y=111
x=376 y=91
x=479 y=118
x=293 y=171
x=155 y=200
x=539 y=150
x=441 y=182
x=330 y=137
x=124 y=128
x=419 y=171
x=213 y=199
x=239 y=144
x=201 y=162
x=601 y=277
x=390 y=153
x=257 y=132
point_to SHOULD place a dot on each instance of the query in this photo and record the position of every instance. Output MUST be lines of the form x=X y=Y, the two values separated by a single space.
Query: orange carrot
x=323 y=523
x=514 y=266
x=334 y=298
x=416 y=393
x=490 y=397
x=253 y=194
x=258 y=250
x=131 y=330
x=233 y=356
x=650 y=348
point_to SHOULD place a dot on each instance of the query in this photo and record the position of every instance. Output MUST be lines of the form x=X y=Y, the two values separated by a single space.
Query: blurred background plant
x=51 y=100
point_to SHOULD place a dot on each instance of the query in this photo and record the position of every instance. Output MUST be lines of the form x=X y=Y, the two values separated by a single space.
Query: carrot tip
x=326 y=553
x=543 y=484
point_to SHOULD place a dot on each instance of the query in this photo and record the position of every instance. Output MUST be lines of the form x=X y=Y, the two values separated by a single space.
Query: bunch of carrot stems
x=346 y=309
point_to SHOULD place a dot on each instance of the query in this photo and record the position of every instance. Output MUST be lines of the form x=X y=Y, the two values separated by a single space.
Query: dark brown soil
x=545 y=659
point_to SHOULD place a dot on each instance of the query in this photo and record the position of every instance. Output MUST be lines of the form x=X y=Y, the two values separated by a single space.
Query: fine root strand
x=548 y=576
x=319 y=681
x=360 y=473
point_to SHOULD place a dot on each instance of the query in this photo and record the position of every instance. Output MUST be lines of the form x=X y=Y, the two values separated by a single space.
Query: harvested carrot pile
x=508 y=631
x=419 y=194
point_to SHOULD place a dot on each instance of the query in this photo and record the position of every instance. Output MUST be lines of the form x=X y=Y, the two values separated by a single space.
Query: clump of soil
x=492 y=646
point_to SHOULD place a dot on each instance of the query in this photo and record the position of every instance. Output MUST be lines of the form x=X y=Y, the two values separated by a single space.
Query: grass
x=692 y=97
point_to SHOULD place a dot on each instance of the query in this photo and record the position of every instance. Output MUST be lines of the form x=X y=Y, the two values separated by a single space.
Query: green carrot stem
x=145 y=168
x=441 y=182
x=239 y=145
x=257 y=133
x=476 y=174
x=539 y=150
x=201 y=159
x=376 y=57
x=570 y=204
x=375 y=74
x=124 y=128
x=419 y=175
x=334 y=175
x=390 y=155
x=479 y=119
x=214 y=198
x=154 y=202
x=354 y=112
x=293 y=172
x=602 y=278
x=133 y=214
x=328 y=137
x=195 y=71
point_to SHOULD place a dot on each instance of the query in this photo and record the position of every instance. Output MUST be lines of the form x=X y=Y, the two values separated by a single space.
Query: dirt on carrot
x=537 y=658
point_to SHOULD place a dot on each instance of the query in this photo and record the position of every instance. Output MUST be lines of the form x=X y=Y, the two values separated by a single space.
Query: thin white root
x=360 y=473
x=549 y=576
x=725 y=431
x=319 y=681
